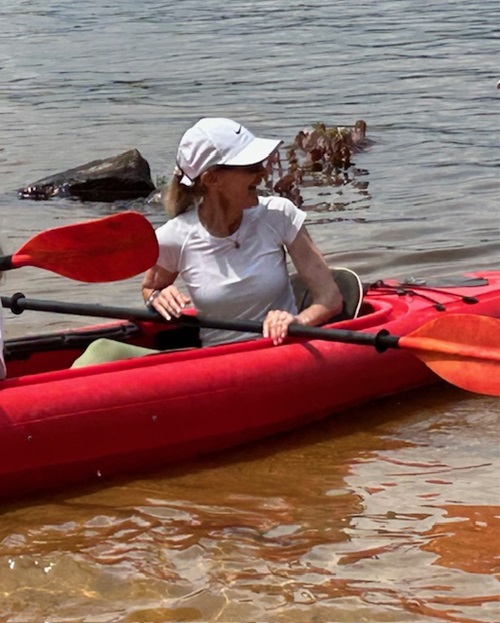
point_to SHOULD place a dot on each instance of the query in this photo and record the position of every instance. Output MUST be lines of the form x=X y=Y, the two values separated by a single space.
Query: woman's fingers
x=276 y=325
x=170 y=302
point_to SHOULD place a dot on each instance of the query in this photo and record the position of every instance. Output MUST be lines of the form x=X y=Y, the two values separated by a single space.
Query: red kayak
x=61 y=425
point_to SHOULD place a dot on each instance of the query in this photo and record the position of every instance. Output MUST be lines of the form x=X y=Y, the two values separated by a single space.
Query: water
x=392 y=510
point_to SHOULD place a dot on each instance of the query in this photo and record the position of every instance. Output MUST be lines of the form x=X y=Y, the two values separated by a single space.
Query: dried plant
x=318 y=156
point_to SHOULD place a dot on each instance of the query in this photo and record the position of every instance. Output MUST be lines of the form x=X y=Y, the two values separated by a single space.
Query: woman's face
x=238 y=184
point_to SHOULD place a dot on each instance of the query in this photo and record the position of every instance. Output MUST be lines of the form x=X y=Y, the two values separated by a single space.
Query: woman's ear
x=209 y=178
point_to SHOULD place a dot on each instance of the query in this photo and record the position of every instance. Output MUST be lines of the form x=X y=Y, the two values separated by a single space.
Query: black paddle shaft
x=6 y=262
x=19 y=303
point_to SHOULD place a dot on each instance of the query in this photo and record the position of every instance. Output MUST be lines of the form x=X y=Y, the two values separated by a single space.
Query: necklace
x=236 y=242
x=236 y=234
x=229 y=235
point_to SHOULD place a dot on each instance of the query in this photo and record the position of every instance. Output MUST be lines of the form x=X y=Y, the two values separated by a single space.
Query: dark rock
x=122 y=177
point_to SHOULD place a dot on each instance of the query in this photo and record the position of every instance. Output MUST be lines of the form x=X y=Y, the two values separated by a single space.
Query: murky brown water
x=387 y=513
x=374 y=515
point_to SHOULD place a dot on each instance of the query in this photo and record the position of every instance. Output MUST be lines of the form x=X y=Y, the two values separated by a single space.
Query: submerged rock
x=122 y=177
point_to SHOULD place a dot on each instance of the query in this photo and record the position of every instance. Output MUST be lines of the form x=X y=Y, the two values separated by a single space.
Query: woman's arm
x=160 y=294
x=314 y=272
x=326 y=297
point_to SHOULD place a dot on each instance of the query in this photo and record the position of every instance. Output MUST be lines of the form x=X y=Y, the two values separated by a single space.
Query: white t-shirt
x=2 y=362
x=238 y=277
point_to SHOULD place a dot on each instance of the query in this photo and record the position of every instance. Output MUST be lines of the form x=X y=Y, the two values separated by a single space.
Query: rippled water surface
x=387 y=513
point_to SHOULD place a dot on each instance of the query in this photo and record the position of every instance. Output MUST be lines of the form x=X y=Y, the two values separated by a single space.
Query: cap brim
x=258 y=150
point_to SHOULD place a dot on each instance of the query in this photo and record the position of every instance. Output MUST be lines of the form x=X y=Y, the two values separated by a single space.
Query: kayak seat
x=350 y=287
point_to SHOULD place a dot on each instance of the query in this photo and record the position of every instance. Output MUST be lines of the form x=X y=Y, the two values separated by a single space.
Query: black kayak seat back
x=350 y=287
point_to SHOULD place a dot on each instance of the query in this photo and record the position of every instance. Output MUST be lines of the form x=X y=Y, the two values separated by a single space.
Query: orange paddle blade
x=464 y=349
x=106 y=249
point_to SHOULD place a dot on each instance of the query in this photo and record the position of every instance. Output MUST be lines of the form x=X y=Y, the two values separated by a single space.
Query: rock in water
x=122 y=177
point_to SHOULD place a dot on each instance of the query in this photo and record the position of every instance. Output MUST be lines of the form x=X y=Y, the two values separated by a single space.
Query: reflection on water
x=375 y=514
x=414 y=523
x=467 y=539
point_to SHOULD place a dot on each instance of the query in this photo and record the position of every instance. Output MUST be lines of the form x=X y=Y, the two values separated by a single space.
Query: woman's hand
x=169 y=302
x=276 y=325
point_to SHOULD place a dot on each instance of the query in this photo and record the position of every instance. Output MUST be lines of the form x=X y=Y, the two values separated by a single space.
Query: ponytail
x=178 y=198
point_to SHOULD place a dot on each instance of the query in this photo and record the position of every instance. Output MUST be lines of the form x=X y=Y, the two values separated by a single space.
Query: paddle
x=463 y=349
x=106 y=249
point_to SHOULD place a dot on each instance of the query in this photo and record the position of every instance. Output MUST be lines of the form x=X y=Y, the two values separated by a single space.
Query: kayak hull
x=61 y=426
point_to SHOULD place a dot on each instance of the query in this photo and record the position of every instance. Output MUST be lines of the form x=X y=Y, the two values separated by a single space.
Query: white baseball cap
x=214 y=141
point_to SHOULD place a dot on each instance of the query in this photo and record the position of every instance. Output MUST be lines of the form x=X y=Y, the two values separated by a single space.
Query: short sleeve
x=170 y=241
x=285 y=217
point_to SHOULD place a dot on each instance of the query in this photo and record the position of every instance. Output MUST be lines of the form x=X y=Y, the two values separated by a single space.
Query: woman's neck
x=219 y=219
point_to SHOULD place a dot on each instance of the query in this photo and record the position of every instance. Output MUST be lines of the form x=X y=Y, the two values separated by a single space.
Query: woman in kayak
x=228 y=243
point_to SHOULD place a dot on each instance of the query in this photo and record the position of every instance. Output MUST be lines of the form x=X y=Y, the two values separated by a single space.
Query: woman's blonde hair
x=177 y=198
